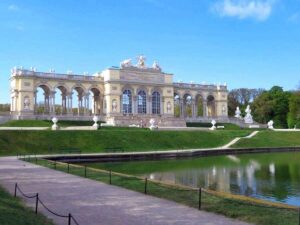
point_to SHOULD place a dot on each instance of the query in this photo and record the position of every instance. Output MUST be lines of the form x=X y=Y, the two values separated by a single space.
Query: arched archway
x=177 y=109
x=187 y=104
x=95 y=105
x=81 y=100
x=156 y=102
x=42 y=99
x=127 y=101
x=141 y=102
x=199 y=106
x=60 y=100
x=211 y=106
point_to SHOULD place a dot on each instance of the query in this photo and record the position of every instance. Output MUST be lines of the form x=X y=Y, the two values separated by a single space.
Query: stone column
x=70 y=107
x=149 y=105
x=134 y=104
x=193 y=108
x=79 y=104
x=181 y=108
x=204 y=108
x=162 y=103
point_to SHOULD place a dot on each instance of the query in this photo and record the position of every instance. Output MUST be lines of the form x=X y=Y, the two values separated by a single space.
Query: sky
x=245 y=43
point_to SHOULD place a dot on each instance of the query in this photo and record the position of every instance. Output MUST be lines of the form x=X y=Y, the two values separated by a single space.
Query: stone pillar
x=70 y=107
x=149 y=105
x=204 y=108
x=162 y=103
x=134 y=104
x=193 y=108
x=181 y=108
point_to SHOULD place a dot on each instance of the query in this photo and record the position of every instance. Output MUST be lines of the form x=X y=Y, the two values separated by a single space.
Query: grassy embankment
x=50 y=142
x=253 y=212
x=45 y=123
x=271 y=139
x=14 y=212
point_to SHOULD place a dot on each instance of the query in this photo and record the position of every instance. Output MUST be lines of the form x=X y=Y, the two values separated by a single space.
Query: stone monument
x=152 y=124
x=238 y=113
x=213 y=122
x=96 y=125
x=270 y=124
x=248 y=118
x=54 y=126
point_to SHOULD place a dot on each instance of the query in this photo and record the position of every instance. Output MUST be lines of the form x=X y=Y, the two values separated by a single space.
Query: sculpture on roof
x=156 y=66
x=126 y=63
x=141 y=61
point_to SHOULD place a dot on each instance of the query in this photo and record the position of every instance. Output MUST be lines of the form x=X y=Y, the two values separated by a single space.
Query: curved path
x=96 y=203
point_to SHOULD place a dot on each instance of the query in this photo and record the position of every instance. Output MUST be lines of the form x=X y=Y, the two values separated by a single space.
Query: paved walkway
x=96 y=203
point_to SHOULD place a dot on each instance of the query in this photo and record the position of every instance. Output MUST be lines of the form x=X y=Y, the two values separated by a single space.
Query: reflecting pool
x=270 y=176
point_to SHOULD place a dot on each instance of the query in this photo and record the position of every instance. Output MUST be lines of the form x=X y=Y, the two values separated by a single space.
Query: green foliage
x=4 y=107
x=272 y=105
x=13 y=212
x=294 y=110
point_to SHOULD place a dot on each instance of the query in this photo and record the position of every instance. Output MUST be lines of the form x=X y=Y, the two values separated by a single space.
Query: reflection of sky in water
x=270 y=181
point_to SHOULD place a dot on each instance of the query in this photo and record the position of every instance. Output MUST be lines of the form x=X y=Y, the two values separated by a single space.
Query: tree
x=294 y=110
x=241 y=97
x=272 y=104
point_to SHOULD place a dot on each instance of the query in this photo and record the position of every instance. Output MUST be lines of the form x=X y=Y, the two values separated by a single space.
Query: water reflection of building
x=227 y=179
x=278 y=179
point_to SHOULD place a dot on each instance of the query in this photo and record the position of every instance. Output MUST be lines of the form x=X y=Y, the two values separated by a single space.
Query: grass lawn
x=42 y=142
x=45 y=123
x=271 y=139
x=14 y=212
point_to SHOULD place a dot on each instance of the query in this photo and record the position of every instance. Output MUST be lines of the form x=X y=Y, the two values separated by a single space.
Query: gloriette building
x=125 y=95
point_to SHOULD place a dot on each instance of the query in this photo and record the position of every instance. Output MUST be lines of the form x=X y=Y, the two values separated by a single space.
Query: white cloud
x=13 y=8
x=242 y=9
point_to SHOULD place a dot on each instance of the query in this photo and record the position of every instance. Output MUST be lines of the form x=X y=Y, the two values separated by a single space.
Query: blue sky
x=246 y=43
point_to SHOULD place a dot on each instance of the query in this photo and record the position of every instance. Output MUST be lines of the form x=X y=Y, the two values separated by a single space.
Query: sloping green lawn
x=271 y=139
x=45 y=123
x=42 y=142
x=14 y=212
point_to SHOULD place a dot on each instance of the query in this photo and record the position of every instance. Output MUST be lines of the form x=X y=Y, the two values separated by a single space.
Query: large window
x=127 y=101
x=141 y=101
x=155 y=103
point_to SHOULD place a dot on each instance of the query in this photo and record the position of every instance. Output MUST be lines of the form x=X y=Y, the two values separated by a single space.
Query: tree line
x=283 y=107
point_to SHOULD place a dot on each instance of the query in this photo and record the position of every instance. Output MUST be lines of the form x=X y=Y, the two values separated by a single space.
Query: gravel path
x=96 y=203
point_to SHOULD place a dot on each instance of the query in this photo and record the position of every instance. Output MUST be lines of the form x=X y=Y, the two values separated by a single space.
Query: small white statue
x=156 y=66
x=248 y=118
x=270 y=124
x=114 y=105
x=169 y=107
x=152 y=124
x=238 y=113
x=141 y=62
x=55 y=126
x=26 y=103
x=126 y=63
x=213 y=122
x=96 y=119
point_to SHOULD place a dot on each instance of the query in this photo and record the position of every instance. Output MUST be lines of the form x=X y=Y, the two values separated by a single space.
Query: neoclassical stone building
x=129 y=94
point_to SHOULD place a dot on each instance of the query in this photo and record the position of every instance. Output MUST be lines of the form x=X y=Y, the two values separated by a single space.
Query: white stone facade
x=121 y=96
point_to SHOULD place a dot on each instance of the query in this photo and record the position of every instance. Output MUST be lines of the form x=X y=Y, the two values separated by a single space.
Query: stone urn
x=54 y=126
x=213 y=122
x=96 y=119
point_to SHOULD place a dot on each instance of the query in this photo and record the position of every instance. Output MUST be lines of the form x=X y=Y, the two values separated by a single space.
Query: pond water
x=270 y=176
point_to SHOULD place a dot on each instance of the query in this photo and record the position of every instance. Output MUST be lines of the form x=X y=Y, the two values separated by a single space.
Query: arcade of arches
x=121 y=96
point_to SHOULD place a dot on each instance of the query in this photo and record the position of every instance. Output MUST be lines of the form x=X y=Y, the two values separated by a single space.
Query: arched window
x=141 y=101
x=127 y=101
x=155 y=103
